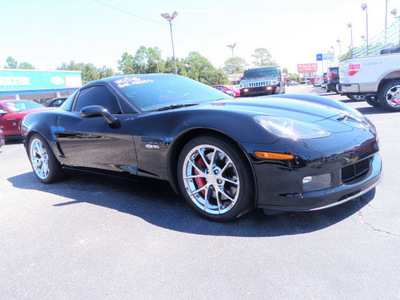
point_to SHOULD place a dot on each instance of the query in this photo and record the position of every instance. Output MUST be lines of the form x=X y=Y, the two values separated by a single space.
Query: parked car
x=2 y=138
x=11 y=114
x=318 y=81
x=373 y=78
x=333 y=79
x=55 y=102
x=262 y=81
x=225 y=89
x=291 y=83
x=226 y=156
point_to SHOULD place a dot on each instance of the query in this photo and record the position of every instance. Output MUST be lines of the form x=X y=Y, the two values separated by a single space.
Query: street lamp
x=333 y=50
x=365 y=8
x=233 y=58
x=340 y=49
x=169 y=18
x=188 y=67
x=394 y=13
x=351 y=32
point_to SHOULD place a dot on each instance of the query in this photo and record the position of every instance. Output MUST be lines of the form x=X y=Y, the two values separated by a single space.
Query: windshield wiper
x=174 y=106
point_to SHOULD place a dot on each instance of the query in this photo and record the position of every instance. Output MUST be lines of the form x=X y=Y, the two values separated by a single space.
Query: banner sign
x=307 y=68
x=328 y=56
x=34 y=81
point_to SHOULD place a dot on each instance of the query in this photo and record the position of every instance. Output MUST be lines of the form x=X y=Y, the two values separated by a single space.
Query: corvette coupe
x=226 y=156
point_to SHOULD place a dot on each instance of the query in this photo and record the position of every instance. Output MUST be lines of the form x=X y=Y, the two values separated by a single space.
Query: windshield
x=267 y=72
x=17 y=106
x=151 y=92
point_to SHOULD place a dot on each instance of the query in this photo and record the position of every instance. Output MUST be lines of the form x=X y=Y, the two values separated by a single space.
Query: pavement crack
x=370 y=226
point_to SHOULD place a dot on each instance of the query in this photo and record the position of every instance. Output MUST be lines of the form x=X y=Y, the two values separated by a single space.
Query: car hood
x=328 y=117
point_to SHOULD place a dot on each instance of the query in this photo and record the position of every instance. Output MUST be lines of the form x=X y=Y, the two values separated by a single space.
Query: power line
x=128 y=13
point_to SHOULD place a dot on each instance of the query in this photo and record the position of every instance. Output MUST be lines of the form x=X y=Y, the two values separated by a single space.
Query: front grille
x=355 y=171
x=257 y=84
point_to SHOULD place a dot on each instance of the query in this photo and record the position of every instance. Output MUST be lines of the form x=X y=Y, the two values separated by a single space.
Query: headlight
x=292 y=129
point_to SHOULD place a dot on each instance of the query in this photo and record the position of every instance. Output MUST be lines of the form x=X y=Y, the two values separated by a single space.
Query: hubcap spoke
x=40 y=159
x=211 y=179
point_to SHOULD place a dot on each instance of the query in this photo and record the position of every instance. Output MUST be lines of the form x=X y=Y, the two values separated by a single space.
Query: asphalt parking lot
x=94 y=237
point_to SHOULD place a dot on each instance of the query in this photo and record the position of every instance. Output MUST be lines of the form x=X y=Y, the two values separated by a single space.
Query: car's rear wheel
x=389 y=96
x=215 y=178
x=44 y=164
x=373 y=101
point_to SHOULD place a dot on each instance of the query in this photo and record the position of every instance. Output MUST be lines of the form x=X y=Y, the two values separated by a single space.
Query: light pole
x=169 y=18
x=157 y=62
x=340 y=49
x=351 y=32
x=188 y=67
x=394 y=13
x=365 y=8
x=386 y=23
x=233 y=58
x=333 y=50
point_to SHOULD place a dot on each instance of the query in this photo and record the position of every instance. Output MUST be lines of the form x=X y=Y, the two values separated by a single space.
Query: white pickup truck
x=375 y=77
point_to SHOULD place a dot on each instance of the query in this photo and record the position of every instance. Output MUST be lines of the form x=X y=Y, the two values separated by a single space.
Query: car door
x=8 y=122
x=91 y=142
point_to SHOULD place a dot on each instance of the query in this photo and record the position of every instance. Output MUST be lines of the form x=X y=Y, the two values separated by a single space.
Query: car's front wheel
x=215 y=178
x=44 y=164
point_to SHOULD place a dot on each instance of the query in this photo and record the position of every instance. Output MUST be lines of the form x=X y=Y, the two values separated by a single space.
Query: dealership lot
x=92 y=237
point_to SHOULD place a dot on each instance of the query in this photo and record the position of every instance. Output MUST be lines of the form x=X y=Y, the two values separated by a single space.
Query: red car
x=225 y=89
x=11 y=114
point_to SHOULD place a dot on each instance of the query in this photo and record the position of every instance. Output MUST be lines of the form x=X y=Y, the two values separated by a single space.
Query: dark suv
x=333 y=79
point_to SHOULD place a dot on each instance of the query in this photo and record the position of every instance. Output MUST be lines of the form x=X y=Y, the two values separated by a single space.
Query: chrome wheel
x=211 y=179
x=392 y=96
x=40 y=159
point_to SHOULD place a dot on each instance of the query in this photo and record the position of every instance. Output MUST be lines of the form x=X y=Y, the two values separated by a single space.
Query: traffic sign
x=319 y=57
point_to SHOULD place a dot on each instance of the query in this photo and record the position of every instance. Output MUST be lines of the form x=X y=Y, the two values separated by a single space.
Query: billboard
x=33 y=81
x=307 y=68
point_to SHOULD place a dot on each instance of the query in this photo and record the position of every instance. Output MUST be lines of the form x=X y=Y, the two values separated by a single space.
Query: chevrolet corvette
x=226 y=156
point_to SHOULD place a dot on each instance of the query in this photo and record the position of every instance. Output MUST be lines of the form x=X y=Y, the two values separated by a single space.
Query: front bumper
x=261 y=90
x=325 y=198
x=280 y=184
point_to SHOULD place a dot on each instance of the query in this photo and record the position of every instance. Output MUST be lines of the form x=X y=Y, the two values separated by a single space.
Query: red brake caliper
x=200 y=181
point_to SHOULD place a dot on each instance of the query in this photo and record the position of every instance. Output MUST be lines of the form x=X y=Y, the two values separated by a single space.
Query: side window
x=98 y=95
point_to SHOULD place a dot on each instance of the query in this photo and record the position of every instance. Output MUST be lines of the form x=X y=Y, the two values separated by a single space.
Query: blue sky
x=47 y=33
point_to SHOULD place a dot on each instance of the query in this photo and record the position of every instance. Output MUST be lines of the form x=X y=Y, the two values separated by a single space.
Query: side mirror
x=100 y=111
x=3 y=112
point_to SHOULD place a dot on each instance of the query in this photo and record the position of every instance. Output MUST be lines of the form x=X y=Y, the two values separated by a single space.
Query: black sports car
x=226 y=156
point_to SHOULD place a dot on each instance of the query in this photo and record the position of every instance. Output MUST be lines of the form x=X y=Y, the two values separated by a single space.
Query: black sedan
x=226 y=156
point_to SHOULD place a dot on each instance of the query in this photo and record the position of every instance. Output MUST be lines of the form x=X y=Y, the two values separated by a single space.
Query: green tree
x=26 y=66
x=263 y=58
x=293 y=77
x=285 y=71
x=105 y=72
x=11 y=63
x=235 y=65
x=125 y=64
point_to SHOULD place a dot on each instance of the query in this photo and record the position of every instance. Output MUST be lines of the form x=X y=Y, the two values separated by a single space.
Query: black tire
x=45 y=165
x=356 y=97
x=226 y=191
x=373 y=101
x=389 y=95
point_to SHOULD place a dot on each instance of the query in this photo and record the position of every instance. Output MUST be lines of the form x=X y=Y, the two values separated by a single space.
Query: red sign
x=307 y=68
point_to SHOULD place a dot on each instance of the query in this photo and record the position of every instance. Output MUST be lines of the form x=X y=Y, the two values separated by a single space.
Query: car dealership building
x=34 y=84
